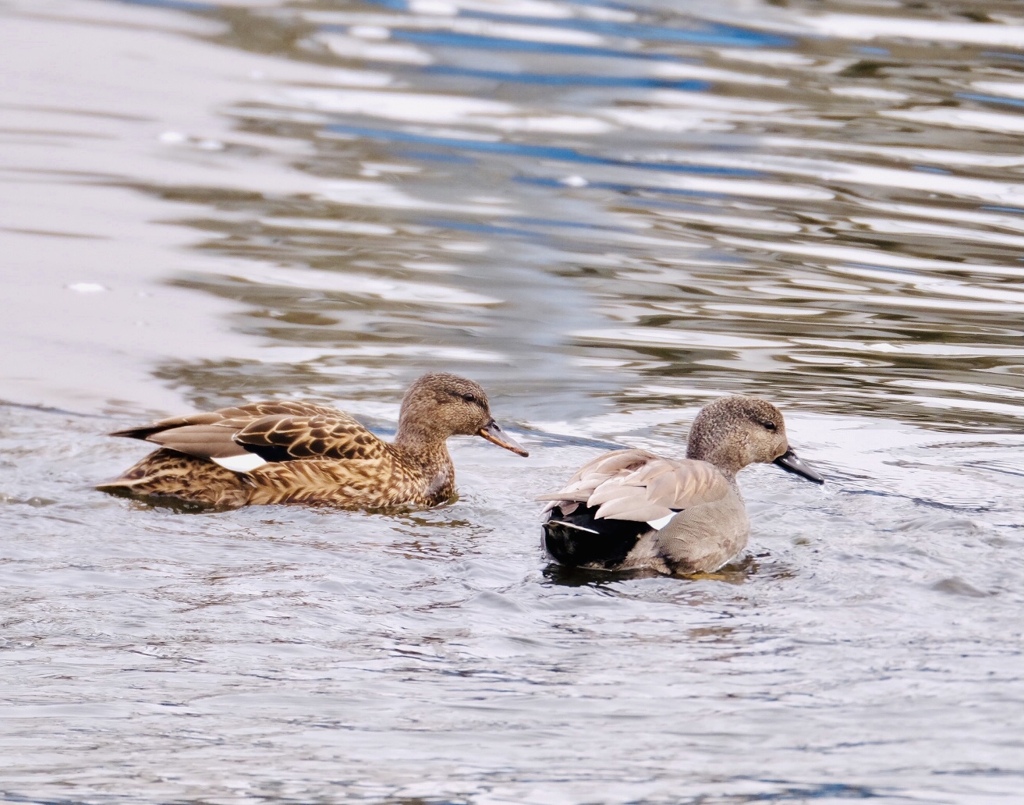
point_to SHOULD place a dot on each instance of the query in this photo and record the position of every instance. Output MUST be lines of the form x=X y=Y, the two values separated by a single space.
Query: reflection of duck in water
x=296 y=452
x=632 y=509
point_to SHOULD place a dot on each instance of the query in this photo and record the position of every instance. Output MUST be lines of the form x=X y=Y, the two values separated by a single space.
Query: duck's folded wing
x=211 y=440
x=286 y=438
x=595 y=472
x=247 y=436
x=659 y=489
x=636 y=485
x=234 y=418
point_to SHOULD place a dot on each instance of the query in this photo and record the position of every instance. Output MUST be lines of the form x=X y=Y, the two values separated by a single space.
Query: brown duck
x=300 y=452
x=631 y=509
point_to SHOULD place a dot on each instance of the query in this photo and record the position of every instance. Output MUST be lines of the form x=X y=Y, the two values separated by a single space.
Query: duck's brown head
x=736 y=431
x=439 y=405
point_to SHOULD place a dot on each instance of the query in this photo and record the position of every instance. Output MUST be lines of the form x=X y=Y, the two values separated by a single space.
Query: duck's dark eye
x=470 y=397
x=769 y=426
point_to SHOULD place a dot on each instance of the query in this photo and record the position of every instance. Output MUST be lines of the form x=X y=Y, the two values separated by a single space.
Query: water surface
x=608 y=214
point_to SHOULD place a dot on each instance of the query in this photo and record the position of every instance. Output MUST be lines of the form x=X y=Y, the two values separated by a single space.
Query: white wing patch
x=246 y=462
x=661 y=522
x=575 y=527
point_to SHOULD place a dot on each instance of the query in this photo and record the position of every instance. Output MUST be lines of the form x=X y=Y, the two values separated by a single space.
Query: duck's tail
x=169 y=477
x=581 y=540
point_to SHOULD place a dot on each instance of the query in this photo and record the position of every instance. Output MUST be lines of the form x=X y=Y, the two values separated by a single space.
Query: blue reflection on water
x=453 y=39
x=997 y=99
x=174 y=5
x=481 y=228
x=703 y=33
x=527 y=226
x=999 y=208
x=869 y=50
x=618 y=187
x=998 y=54
x=570 y=79
x=708 y=34
x=433 y=156
x=560 y=153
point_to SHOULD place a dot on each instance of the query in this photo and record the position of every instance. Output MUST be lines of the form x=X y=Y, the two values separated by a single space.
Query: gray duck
x=631 y=509
x=302 y=452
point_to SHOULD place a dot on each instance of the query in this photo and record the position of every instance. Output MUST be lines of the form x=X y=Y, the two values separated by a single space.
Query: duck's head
x=736 y=431
x=439 y=405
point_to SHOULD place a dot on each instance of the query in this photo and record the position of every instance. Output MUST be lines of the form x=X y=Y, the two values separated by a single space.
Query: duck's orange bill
x=492 y=432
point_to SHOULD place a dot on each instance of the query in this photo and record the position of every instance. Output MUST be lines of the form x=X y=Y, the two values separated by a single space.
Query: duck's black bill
x=492 y=432
x=790 y=463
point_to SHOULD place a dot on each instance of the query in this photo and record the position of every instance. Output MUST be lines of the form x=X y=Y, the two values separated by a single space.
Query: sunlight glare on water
x=606 y=213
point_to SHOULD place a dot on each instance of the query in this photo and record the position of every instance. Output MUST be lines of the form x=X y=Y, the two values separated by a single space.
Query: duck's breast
x=703 y=537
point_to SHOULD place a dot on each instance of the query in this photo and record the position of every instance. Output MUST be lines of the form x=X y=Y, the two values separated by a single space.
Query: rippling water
x=608 y=214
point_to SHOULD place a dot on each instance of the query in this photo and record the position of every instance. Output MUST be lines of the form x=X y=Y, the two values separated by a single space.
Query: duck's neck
x=422 y=447
x=425 y=458
x=723 y=461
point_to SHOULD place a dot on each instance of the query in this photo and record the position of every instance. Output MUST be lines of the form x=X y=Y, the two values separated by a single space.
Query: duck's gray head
x=438 y=405
x=736 y=431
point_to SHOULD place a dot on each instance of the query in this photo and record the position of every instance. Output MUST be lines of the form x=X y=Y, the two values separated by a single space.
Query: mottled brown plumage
x=631 y=509
x=298 y=452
